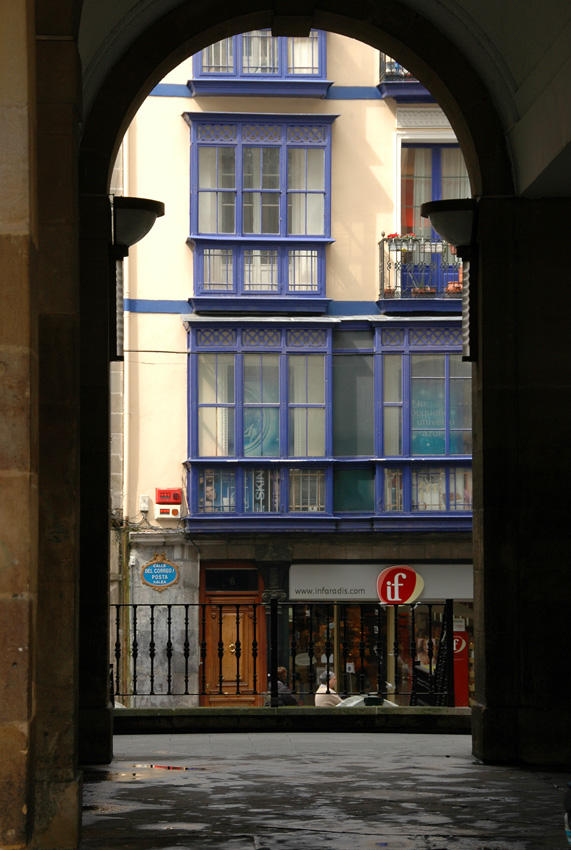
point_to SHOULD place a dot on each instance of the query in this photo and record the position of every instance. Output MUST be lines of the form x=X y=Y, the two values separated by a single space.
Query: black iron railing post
x=274 y=653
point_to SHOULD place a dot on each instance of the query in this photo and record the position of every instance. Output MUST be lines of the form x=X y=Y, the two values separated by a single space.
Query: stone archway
x=427 y=52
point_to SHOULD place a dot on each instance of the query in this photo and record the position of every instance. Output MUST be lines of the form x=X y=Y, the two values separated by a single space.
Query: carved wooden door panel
x=231 y=627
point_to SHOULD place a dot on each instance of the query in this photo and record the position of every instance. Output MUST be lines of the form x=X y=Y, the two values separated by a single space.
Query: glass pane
x=416 y=188
x=354 y=490
x=306 y=490
x=270 y=213
x=460 y=442
x=206 y=378
x=225 y=378
x=252 y=378
x=297 y=383
x=296 y=214
x=216 y=491
x=261 y=491
x=428 y=443
x=460 y=404
x=207 y=168
x=315 y=432
x=303 y=56
x=207 y=212
x=353 y=405
x=428 y=490
x=303 y=271
x=316 y=169
x=459 y=368
x=393 y=490
x=217 y=269
x=296 y=168
x=315 y=378
x=392 y=377
x=427 y=403
x=455 y=181
x=259 y=53
x=216 y=431
x=427 y=365
x=227 y=168
x=392 y=423
x=297 y=432
x=352 y=339
x=271 y=170
x=251 y=212
x=219 y=58
x=270 y=378
x=316 y=214
x=261 y=270
x=261 y=431
x=460 y=489
x=252 y=168
x=226 y=212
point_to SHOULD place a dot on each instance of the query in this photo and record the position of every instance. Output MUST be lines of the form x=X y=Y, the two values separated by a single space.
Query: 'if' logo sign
x=399 y=585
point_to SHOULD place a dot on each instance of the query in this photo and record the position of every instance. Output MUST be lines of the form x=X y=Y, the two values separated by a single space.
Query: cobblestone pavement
x=302 y=791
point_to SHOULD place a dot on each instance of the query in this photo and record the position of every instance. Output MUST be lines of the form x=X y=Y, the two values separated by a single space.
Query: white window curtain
x=303 y=55
x=259 y=53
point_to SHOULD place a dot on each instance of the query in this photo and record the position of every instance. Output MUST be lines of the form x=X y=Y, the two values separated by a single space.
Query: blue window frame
x=260 y=209
x=256 y=62
x=429 y=172
x=267 y=443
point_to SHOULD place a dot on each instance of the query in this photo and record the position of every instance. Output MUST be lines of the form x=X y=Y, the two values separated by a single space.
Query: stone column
x=57 y=804
x=95 y=710
x=18 y=423
x=522 y=396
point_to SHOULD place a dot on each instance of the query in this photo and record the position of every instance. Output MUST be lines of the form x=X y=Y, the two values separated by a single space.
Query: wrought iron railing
x=393 y=71
x=418 y=267
x=245 y=654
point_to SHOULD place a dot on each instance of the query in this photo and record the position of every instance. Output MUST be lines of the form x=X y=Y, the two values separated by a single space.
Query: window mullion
x=239 y=168
x=284 y=405
x=328 y=399
x=239 y=396
x=283 y=183
x=446 y=404
x=406 y=406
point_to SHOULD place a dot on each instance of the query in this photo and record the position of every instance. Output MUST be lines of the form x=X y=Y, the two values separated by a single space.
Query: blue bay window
x=429 y=172
x=260 y=211
x=367 y=427
x=257 y=63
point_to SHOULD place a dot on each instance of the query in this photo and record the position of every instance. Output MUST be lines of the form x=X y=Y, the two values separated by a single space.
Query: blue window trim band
x=368 y=309
x=324 y=90
x=257 y=88
x=411 y=92
x=219 y=302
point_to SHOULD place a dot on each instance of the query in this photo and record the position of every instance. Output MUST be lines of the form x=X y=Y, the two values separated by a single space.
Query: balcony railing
x=418 y=267
x=392 y=71
x=170 y=655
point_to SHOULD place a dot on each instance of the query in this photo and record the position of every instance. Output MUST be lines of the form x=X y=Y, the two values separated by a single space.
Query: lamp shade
x=133 y=218
x=452 y=219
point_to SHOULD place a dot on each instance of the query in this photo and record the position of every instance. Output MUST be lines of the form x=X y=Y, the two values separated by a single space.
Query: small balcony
x=419 y=273
x=397 y=82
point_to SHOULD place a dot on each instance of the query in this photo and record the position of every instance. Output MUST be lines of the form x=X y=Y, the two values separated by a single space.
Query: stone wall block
x=15 y=616
x=18 y=530
x=15 y=404
x=15 y=265
x=14 y=784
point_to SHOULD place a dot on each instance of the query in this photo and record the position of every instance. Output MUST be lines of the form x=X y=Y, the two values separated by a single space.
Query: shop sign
x=399 y=585
x=461 y=693
x=357 y=582
x=159 y=573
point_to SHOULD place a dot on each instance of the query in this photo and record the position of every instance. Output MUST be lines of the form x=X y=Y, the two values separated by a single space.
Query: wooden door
x=232 y=626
